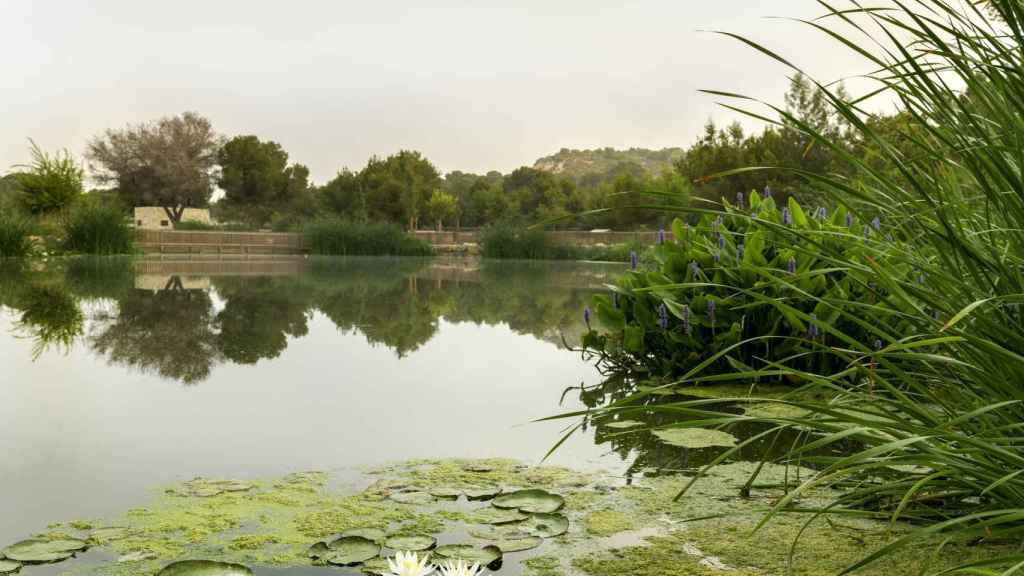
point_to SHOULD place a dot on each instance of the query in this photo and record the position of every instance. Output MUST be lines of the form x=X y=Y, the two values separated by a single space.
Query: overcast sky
x=474 y=85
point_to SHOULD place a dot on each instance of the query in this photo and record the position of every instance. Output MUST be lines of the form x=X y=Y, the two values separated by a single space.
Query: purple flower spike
x=615 y=300
x=721 y=241
x=661 y=236
x=663 y=316
x=695 y=267
x=767 y=192
x=876 y=223
x=849 y=220
x=739 y=251
x=867 y=232
x=812 y=330
x=739 y=199
x=878 y=344
x=714 y=226
x=686 y=318
x=791 y=265
x=711 y=311
x=822 y=213
x=717 y=256
x=920 y=278
x=632 y=260
x=787 y=218
x=586 y=316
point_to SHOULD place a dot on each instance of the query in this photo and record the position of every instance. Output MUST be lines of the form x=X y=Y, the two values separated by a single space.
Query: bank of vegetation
x=894 y=318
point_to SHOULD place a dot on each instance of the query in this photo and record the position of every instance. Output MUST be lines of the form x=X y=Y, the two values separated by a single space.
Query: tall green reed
x=936 y=416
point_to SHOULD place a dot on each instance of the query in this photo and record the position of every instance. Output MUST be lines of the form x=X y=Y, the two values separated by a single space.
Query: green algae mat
x=538 y=521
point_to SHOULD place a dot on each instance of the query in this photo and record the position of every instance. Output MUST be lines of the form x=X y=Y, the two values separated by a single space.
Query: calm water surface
x=118 y=376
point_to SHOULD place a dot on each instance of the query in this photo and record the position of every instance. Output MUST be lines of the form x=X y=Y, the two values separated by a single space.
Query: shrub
x=716 y=289
x=97 y=228
x=15 y=232
x=347 y=238
x=508 y=241
x=50 y=182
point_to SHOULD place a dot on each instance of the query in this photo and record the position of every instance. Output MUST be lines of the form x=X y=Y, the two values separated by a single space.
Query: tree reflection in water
x=181 y=319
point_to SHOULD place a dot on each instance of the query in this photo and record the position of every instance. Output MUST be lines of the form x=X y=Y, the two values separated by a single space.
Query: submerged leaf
x=9 y=566
x=497 y=515
x=204 y=568
x=533 y=500
x=418 y=498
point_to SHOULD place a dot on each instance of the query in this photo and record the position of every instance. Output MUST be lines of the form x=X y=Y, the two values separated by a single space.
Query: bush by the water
x=510 y=242
x=348 y=238
x=714 y=286
x=97 y=228
x=15 y=232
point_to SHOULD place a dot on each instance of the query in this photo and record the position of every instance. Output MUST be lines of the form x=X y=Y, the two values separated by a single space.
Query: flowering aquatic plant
x=409 y=564
x=460 y=568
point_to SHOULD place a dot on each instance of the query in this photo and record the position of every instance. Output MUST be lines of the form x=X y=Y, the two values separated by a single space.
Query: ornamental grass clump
x=15 y=236
x=98 y=228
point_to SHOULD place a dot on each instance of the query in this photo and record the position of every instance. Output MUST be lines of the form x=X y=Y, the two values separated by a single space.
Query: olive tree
x=168 y=162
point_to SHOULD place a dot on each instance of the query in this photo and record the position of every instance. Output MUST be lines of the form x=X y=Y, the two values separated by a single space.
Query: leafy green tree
x=442 y=206
x=397 y=188
x=257 y=179
x=169 y=162
x=50 y=182
x=343 y=196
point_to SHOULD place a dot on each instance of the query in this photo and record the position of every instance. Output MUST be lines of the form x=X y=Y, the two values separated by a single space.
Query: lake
x=120 y=376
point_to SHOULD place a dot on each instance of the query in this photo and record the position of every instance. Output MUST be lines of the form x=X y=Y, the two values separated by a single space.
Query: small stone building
x=155 y=218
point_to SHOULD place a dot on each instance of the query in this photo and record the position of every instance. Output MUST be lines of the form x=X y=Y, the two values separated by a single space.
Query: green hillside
x=602 y=162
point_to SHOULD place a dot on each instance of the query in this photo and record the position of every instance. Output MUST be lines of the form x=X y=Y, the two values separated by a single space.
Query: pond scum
x=615 y=528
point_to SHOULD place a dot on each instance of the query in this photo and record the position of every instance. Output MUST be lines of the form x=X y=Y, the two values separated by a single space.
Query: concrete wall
x=155 y=218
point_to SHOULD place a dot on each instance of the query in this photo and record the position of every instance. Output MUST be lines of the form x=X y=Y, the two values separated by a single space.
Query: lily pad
x=418 y=498
x=533 y=500
x=519 y=544
x=411 y=543
x=496 y=515
x=318 y=550
x=482 y=492
x=377 y=567
x=37 y=550
x=695 y=437
x=622 y=424
x=489 y=556
x=375 y=534
x=544 y=525
x=351 y=550
x=446 y=493
x=9 y=566
x=204 y=568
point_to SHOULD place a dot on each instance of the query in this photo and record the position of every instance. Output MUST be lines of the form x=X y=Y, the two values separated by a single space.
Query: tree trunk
x=174 y=213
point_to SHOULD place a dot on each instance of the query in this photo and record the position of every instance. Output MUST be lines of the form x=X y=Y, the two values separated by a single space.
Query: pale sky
x=474 y=85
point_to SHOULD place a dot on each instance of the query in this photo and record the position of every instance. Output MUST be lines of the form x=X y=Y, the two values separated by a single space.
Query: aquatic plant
x=409 y=564
x=460 y=568
x=637 y=333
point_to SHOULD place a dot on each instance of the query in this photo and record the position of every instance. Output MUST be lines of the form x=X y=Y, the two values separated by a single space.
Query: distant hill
x=595 y=164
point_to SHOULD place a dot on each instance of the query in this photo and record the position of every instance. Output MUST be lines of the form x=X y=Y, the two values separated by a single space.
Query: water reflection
x=182 y=319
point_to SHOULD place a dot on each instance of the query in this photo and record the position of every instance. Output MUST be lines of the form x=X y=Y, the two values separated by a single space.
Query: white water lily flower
x=409 y=564
x=460 y=568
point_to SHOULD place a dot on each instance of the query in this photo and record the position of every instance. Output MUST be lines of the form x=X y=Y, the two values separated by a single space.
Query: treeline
x=180 y=162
